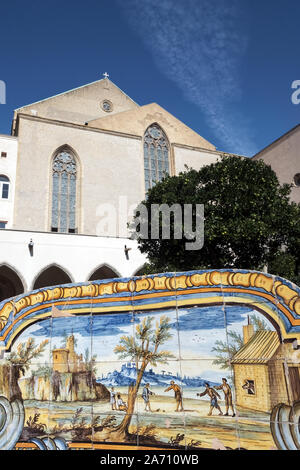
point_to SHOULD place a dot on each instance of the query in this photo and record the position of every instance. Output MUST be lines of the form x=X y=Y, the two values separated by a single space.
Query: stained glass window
x=64 y=175
x=156 y=155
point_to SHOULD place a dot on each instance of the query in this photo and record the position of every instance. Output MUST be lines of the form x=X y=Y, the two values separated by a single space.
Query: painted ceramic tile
x=113 y=381
x=168 y=429
x=73 y=424
x=107 y=331
x=160 y=392
x=36 y=424
x=109 y=428
x=163 y=360
x=200 y=329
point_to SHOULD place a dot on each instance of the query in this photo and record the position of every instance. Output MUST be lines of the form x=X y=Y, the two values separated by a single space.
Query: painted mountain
x=127 y=375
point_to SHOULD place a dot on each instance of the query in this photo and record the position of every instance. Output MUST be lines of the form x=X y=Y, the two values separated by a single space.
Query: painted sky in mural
x=194 y=334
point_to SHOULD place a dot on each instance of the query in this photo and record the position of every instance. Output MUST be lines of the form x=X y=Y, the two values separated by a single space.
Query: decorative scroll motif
x=279 y=298
x=213 y=344
x=3 y=321
x=11 y=422
x=156 y=155
x=64 y=174
x=285 y=429
x=47 y=443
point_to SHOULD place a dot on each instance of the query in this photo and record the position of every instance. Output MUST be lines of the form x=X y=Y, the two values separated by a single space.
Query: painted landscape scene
x=171 y=378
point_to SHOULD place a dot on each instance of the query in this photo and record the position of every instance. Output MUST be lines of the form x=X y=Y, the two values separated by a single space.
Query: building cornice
x=203 y=149
x=57 y=122
x=62 y=234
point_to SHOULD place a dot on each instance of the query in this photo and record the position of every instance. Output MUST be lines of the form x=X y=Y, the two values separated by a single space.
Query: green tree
x=225 y=351
x=143 y=349
x=250 y=221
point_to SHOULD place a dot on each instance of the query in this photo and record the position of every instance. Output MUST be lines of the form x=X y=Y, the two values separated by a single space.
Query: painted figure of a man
x=178 y=395
x=213 y=395
x=146 y=396
x=113 y=398
x=122 y=406
x=227 y=396
x=249 y=386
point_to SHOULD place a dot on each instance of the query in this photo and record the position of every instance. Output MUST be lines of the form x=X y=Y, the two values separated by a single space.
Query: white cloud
x=199 y=44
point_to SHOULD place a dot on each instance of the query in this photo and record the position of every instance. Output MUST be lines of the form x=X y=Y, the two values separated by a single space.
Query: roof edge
x=74 y=89
x=276 y=141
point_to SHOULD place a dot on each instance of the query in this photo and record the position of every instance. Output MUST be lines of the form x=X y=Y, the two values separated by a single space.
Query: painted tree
x=25 y=353
x=143 y=348
x=226 y=350
x=18 y=363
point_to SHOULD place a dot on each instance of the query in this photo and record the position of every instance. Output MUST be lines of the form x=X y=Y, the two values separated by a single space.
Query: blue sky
x=223 y=67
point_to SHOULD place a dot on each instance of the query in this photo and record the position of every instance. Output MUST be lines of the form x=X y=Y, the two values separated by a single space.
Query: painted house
x=264 y=374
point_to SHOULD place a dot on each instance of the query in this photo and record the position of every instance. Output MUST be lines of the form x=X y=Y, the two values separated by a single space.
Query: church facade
x=87 y=157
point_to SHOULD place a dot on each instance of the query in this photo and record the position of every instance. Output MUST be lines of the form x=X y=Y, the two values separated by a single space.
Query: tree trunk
x=9 y=387
x=122 y=429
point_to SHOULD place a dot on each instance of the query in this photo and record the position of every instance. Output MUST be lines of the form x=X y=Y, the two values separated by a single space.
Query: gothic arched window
x=4 y=187
x=64 y=173
x=156 y=155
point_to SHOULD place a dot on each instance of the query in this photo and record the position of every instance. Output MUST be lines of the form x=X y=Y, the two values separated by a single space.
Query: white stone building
x=283 y=155
x=71 y=173
x=87 y=157
x=8 y=164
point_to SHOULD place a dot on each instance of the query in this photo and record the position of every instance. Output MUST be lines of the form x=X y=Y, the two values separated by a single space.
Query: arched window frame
x=156 y=154
x=4 y=187
x=65 y=178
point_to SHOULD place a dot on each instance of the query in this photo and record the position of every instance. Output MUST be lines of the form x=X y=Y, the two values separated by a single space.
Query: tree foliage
x=225 y=351
x=249 y=220
x=143 y=349
x=25 y=353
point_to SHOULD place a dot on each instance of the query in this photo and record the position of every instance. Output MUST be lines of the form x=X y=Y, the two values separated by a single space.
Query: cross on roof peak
x=105 y=75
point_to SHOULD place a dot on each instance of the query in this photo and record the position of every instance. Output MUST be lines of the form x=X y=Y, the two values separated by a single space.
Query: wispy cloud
x=199 y=44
